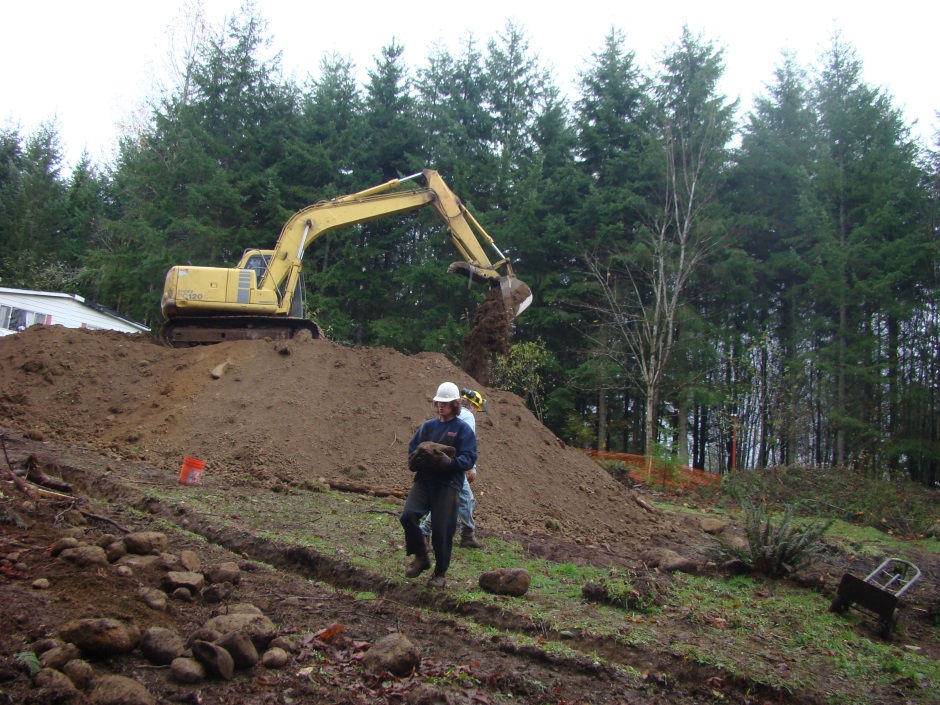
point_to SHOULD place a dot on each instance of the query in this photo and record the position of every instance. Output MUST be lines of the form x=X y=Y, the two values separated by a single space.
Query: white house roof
x=53 y=295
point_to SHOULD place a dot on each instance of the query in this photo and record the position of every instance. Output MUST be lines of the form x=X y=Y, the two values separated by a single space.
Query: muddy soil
x=490 y=334
x=113 y=414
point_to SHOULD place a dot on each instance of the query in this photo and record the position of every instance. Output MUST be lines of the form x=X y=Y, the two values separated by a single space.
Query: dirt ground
x=112 y=411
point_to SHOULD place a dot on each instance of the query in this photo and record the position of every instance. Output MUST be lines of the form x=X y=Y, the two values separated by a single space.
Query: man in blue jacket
x=440 y=453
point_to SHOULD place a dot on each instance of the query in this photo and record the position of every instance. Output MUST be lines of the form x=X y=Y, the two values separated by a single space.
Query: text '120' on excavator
x=259 y=298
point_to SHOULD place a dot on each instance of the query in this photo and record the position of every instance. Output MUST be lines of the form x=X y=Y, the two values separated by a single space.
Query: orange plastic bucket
x=191 y=473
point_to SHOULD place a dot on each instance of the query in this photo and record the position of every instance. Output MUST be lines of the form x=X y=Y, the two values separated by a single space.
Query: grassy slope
x=758 y=632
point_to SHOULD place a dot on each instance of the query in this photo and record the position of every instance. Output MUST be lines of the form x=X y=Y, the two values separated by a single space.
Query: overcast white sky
x=88 y=63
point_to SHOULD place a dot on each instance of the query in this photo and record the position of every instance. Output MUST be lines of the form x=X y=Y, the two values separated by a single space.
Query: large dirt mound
x=266 y=413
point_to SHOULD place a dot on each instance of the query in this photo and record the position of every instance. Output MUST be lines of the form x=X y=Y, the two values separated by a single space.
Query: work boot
x=470 y=541
x=437 y=581
x=420 y=564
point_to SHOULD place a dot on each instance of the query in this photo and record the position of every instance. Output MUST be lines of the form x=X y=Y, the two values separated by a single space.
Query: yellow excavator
x=259 y=298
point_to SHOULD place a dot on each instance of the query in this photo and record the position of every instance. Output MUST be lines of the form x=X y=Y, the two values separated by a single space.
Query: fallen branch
x=20 y=484
x=645 y=505
x=89 y=515
x=35 y=475
x=365 y=489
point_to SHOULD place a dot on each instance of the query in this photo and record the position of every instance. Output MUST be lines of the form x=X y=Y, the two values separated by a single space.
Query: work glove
x=430 y=456
x=471 y=474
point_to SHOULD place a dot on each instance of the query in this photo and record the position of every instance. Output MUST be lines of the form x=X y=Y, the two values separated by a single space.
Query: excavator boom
x=260 y=297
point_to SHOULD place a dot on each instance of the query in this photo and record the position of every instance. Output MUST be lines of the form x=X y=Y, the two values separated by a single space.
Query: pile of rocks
x=237 y=636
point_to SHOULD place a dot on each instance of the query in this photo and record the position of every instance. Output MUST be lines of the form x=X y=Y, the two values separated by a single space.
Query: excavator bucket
x=516 y=294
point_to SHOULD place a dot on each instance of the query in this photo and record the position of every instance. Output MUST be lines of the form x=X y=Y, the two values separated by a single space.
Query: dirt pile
x=265 y=413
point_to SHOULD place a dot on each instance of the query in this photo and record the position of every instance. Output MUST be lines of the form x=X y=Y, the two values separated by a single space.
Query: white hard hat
x=447 y=392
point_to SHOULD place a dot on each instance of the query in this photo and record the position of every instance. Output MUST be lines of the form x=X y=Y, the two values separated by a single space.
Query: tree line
x=722 y=293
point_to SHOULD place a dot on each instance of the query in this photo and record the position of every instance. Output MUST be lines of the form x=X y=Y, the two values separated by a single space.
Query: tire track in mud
x=603 y=659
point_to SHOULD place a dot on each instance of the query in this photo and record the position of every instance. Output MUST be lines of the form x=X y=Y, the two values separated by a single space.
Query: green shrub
x=775 y=549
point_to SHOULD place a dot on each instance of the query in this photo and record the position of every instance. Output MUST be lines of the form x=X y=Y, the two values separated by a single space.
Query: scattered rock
x=79 y=672
x=40 y=584
x=105 y=540
x=101 y=637
x=160 y=645
x=182 y=594
x=203 y=634
x=115 y=551
x=257 y=626
x=190 y=561
x=240 y=608
x=712 y=526
x=284 y=642
x=146 y=542
x=194 y=582
x=153 y=598
x=506 y=581
x=138 y=562
x=239 y=645
x=169 y=562
x=54 y=687
x=275 y=658
x=119 y=690
x=218 y=592
x=426 y=694
x=223 y=573
x=59 y=656
x=393 y=653
x=62 y=544
x=668 y=561
x=217 y=660
x=44 y=645
x=187 y=670
x=84 y=555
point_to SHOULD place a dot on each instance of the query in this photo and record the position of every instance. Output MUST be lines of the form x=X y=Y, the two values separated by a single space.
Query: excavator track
x=208 y=330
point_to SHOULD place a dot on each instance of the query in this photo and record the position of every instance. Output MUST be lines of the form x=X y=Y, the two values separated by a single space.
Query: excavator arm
x=258 y=296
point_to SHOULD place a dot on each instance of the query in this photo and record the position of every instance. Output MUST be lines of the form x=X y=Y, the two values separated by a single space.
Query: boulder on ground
x=79 y=672
x=187 y=670
x=217 y=660
x=54 y=687
x=394 y=654
x=223 y=573
x=175 y=579
x=84 y=555
x=506 y=581
x=258 y=627
x=59 y=656
x=120 y=690
x=101 y=637
x=160 y=645
x=668 y=561
x=275 y=658
x=144 y=543
x=240 y=646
